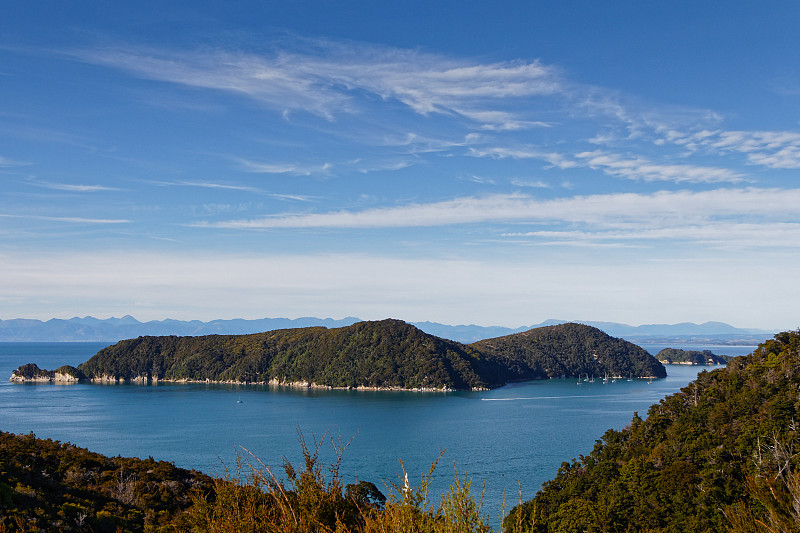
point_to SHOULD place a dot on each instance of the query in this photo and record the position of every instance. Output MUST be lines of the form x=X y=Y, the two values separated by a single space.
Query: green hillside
x=383 y=354
x=569 y=350
x=675 y=356
x=724 y=444
x=46 y=485
x=386 y=354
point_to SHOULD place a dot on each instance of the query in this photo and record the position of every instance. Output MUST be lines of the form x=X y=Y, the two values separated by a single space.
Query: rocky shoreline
x=33 y=374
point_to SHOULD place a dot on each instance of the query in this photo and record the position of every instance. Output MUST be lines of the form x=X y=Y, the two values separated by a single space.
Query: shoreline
x=60 y=378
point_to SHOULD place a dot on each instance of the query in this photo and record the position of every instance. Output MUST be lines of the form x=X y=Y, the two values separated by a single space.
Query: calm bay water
x=516 y=434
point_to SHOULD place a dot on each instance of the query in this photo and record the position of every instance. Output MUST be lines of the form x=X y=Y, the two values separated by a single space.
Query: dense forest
x=380 y=354
x=46 y=485
x=389 y=353
x=720 y=454
x=569 y=350
x=675 y=356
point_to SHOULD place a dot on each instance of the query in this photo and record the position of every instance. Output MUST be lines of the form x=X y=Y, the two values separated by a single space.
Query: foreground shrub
x=313 y=500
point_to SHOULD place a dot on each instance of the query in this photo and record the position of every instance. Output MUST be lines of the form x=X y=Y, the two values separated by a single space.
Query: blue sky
x=460 y=162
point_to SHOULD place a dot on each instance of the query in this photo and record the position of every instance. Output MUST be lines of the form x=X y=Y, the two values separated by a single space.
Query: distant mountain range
x=114 y=329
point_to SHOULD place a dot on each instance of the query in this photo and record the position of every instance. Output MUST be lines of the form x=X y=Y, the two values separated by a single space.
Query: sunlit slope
x=386 y=354
x=699 y=454
x=569 y=350
x=381 y=354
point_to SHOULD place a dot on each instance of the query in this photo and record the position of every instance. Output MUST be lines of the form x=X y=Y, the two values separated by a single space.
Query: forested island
x=386 y=354
x=675 y=356
x=720 y=455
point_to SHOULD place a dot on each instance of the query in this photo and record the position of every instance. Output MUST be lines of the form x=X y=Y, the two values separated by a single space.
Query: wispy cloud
x=537 y=184
x=632 y=168
x=521 y=152
x=480 y=179
x=234 y=187
x=775 y=235
x=772 y=149
x=323 y=81
x=502 y=120
x=209 y=185
x=294 y=197
x=71 y=187
x=389 y=164
x=6 y=162
x=606 y=210
x=258 y=167
x=332 y=79
x=639 y=168
x=418 y=144
x=76 y=220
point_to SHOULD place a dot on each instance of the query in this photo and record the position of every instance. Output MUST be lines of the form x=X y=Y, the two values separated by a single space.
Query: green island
x=720 y=455
x=385 y=354
x=675 y=356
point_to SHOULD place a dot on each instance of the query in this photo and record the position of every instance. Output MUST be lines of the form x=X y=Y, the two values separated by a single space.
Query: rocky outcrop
x=31 y=373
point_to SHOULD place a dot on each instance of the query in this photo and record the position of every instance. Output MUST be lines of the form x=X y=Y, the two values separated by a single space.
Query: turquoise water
x=516 y=434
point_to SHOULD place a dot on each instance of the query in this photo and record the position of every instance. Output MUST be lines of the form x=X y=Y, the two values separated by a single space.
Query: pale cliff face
x=105 y=378
x=56 y=377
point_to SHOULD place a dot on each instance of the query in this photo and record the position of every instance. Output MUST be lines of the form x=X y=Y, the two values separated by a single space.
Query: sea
x=508 y=441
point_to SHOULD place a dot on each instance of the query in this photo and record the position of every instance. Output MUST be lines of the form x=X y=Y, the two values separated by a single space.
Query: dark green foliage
x=671 y=356
x=51 y=486
x=569 y=350
x=32 y=372
x=689 y=459
x=382 y=354
x=389 y=353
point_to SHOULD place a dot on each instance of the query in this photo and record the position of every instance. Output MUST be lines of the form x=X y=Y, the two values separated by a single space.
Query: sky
x=491 y=163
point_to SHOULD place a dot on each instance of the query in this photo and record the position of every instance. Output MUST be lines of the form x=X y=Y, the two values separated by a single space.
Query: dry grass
x=314 y=499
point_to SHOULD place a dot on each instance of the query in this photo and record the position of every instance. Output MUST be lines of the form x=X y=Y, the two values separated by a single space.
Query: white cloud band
x=610 y=210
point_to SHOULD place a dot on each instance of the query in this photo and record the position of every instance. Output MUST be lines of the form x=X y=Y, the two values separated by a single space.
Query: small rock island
x=32 y=373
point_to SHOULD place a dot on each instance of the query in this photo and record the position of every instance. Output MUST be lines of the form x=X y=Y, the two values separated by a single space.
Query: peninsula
x=386 y=354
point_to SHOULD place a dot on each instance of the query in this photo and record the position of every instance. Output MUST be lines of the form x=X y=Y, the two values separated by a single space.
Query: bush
x=311 y=500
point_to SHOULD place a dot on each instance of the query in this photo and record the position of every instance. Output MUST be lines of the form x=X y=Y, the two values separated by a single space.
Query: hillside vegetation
x=384 y=354
x=569 y=350
x=381 y=354
x=675 y=356
x=46 y=485
x=720 y=452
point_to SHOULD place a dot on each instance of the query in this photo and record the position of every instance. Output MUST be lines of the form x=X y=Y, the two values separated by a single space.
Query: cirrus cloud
x=609 y=210
x=324 y=80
